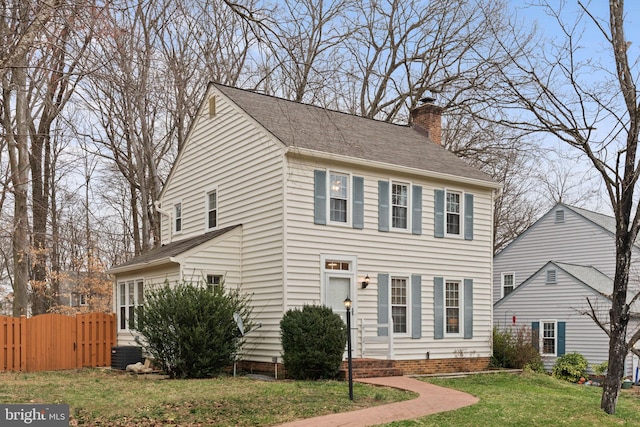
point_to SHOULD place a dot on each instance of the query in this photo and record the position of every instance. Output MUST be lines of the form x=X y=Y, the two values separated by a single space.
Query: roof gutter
x=141 y=265
x=314 y=154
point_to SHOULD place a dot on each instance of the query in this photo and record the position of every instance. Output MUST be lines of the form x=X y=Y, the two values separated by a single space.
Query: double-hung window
x=339 y=197
x=131 y=295
x=548 y=337
x=399 y=304
x=507 y=283
x=453 y=213
x=452 y=307
x=212 y=209
x=177 y=213
x=399 y=205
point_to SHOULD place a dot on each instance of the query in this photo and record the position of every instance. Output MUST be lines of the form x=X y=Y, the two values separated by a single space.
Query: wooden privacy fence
x=50 y=342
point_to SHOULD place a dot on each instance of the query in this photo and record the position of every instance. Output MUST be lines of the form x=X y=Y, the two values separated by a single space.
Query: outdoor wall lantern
x=347 y=305
x=365 y=282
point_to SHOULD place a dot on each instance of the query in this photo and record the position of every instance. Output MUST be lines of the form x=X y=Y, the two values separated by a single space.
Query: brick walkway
x=431 y=399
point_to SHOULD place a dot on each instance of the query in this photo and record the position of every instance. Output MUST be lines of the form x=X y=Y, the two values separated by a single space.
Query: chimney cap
x=427 y=100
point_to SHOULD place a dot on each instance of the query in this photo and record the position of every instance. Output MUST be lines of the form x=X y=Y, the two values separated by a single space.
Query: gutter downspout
x=156 y=204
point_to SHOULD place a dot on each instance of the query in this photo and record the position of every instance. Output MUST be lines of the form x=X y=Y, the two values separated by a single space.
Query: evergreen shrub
x=313 y=342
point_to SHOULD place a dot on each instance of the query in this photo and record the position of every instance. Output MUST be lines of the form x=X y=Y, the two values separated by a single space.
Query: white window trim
x=460 y=283
x=541 y=337
x=351 y=274
x=508 y=273
x=206 y=208
x=127 y=302
x=174 y=217
x=409 y=206
x=407 y=278
x=460 y=235
x=349 y=198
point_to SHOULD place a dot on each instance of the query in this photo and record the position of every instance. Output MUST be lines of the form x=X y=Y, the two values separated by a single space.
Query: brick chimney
x=428 y=118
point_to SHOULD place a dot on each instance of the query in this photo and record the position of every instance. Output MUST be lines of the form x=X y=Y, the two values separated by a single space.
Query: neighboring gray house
x=296 y=204
x=545 y=276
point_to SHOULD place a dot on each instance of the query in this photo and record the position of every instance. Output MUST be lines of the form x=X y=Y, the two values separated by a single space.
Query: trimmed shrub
x=313 y=342
x=189 y=329
x=512 y=348
x=570 y=367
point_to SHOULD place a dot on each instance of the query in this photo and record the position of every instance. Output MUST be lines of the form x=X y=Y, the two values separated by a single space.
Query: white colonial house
x=551 y=275
x=295 y=204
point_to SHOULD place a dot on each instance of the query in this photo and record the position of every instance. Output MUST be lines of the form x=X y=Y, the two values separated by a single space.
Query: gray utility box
x=124 y=355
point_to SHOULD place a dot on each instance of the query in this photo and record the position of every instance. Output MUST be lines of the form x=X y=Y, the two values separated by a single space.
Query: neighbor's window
x=399 y=304
x=452 y=307
x=212 y=209
x=399 y=205
x=339 y=191
x=507 y=283
x=453 y=213
x=177 y=210
x=548 y=337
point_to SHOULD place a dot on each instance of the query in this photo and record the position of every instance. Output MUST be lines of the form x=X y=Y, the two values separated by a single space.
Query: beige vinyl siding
x=233 y=154
x=220 y=256
x=576 y=241
x=394 y=252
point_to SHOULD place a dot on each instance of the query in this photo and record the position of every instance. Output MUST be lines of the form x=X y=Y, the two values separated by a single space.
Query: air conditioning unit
x=124 y=355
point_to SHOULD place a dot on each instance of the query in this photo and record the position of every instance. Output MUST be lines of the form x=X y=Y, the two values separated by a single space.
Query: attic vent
x=551 y=276
x=212 y=107
x=559 y=216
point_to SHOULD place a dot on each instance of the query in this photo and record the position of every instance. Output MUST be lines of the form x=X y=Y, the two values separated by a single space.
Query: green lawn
x=531 y=400
x=108 y=398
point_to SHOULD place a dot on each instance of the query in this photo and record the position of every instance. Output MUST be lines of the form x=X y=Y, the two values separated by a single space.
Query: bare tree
x=560 y=88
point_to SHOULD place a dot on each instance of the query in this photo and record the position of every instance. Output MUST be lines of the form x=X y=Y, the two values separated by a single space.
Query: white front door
x=338 y=288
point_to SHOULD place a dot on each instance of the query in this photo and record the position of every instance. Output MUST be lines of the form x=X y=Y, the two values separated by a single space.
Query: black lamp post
x=347 y=305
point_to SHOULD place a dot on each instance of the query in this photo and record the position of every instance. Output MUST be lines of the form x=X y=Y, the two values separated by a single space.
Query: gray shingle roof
x=314 y=128
x=175 y=248
x=589 y=275
x=605 y=221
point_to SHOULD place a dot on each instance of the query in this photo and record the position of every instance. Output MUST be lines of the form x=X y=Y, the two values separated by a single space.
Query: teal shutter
x=468 y=216
x=358 y=202
x=416 y=306
x=416 y=207
x=320 y=197
x=438 y=308
x=383 y=304
x=535 y=335
x=468 y=308
x=561 y=338
x=383 y=205
x=438 y=216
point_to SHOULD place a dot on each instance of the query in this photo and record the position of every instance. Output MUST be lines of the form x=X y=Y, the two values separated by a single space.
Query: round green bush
x=189 y=329
x=570 y=367
x=313 y=342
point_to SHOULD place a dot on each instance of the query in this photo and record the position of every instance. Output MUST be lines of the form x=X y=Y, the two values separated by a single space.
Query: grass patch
x=531 y=400
x=111 y=398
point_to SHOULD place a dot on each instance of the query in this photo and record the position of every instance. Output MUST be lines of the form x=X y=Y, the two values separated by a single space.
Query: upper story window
x=212 y=209
x=399 y=304
x=399 y=205
x=508 y=280
x=339 y=197
x=177 y=214
x=452 y=307
x=453 y=213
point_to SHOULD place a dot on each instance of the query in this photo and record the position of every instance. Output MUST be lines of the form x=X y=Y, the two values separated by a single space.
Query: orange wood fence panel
x=56 y=342
x=13 y=356
x=96 y=334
